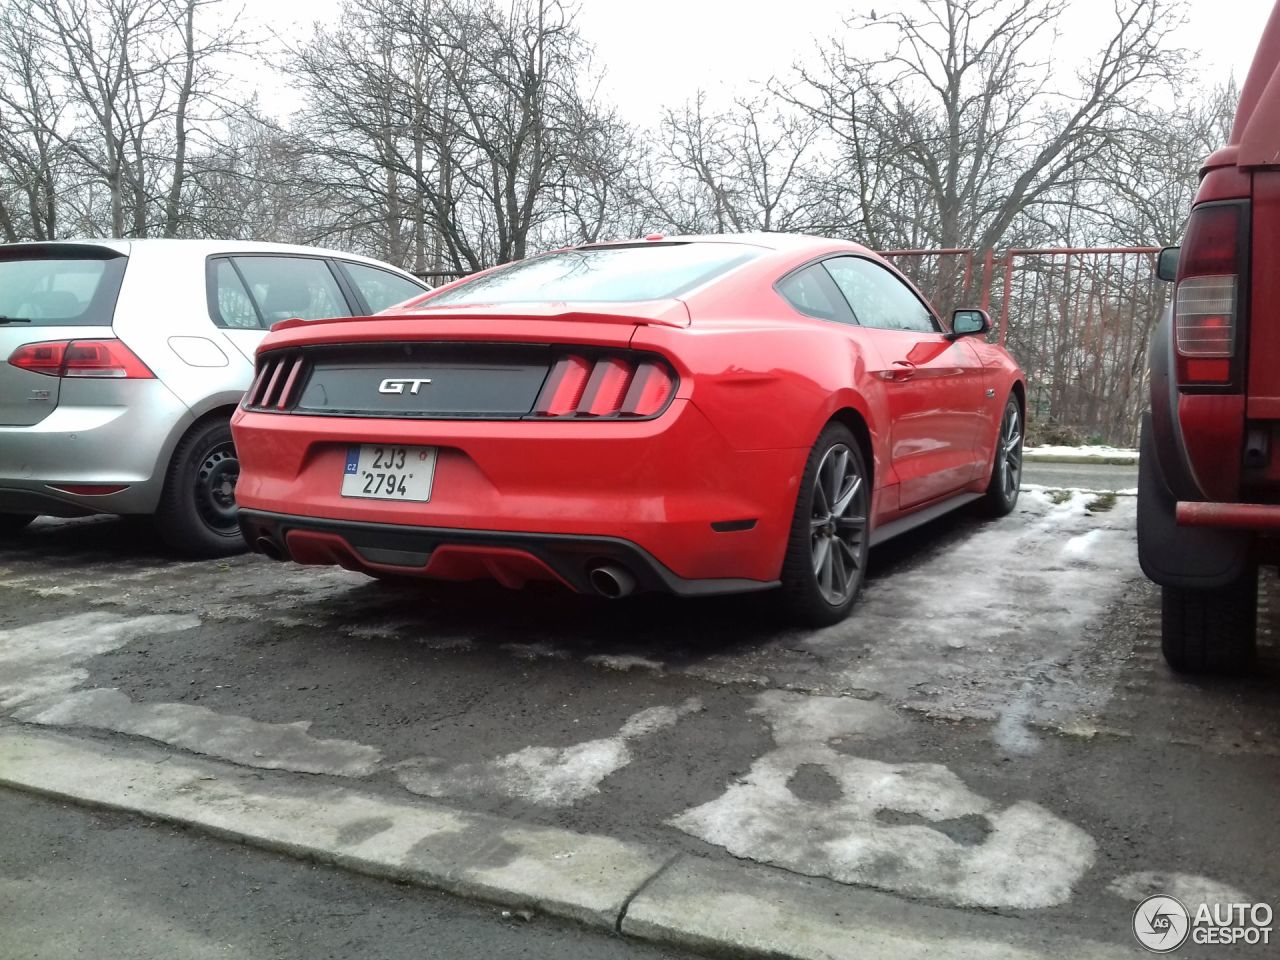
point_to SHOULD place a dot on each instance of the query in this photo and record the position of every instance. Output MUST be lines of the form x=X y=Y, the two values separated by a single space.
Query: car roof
x=203 y=248
x=778 y=242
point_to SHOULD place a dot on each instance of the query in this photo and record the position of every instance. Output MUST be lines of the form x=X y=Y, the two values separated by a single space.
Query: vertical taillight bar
x=1207 y=301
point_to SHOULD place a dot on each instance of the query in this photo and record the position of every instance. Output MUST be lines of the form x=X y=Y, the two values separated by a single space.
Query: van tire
x=1210 y=630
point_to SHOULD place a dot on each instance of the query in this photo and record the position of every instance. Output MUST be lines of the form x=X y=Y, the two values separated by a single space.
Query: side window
x=878 y=298
x=229 y=301
x=285 y=287
x=381 y=288
x=812 y=293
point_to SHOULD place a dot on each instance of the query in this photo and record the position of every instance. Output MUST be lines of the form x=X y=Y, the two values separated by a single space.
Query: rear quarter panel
x=163 y=300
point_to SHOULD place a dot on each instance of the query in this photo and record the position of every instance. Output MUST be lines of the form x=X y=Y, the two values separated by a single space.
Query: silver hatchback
x=122 y=361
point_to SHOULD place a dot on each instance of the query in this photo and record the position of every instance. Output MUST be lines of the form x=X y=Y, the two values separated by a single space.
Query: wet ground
x=993 y=729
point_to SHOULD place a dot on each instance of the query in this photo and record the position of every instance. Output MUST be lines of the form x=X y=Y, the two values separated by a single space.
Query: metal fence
x=1080 y=321
x=1077 y=319
x=944 y=276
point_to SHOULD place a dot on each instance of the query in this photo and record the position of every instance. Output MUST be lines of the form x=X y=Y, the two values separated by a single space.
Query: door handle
x=904 y=370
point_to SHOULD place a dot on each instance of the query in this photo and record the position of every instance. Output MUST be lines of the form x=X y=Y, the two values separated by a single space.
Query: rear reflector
x=92 y=359
x=612 y=386
x=88 y=489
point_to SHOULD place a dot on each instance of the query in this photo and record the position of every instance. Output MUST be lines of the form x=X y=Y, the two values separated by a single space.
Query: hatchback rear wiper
x=15 y=319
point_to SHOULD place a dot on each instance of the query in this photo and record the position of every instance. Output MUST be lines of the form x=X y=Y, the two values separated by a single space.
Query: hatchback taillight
x=91 y=359
x=1206 y=304
x=611 y=386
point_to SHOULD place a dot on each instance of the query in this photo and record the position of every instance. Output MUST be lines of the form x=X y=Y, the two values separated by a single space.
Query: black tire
x=1210 y=630
x=809 y=598
x=1006 y=470
x=197 y=513
x=11 y=523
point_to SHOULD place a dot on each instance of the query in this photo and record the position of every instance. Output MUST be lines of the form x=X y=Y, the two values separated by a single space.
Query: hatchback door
x=50 y=293
x=934 y=385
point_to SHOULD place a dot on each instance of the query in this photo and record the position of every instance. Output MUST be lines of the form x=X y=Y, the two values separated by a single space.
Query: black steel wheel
x=197 y=515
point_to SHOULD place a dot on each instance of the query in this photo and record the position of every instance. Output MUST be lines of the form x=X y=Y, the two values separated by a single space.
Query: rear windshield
x=46 y=291
x=611 y=274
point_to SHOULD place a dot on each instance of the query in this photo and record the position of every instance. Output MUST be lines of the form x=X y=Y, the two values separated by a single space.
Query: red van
x=1209 y=474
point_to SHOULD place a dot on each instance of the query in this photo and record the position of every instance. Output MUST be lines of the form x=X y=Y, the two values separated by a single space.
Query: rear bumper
x=1231 y=516
x=672 y=487
x=120 y=436
x=513 y=559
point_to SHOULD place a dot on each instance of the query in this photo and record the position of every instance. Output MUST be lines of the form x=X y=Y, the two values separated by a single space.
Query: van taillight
x=1207 y=300
x=90 y=359
x=612 y=386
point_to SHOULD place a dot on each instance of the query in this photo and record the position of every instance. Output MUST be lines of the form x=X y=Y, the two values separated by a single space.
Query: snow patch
x=1086 y=452
x=549 y=776
x=1078 y=546
x=1191 y=889
x=895 y=827
x=999 y=617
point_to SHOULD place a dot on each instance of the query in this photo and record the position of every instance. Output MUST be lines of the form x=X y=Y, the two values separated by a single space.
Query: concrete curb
x=732 y=909
x=1029 y=456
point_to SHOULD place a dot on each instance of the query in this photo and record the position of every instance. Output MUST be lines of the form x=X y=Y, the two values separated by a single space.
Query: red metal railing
x=1079 y=320
x=944 y=276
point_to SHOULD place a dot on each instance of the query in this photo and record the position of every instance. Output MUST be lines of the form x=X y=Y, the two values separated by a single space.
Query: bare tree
x=112 y=90
x=457 y=129
x=962 y=112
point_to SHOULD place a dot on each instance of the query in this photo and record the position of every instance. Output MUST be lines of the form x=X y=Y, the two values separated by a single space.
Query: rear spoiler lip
x=656 y=313
x=64 y=250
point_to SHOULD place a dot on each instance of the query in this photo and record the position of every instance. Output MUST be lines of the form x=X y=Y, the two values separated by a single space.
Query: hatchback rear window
x=654 y=271
x=71 y=291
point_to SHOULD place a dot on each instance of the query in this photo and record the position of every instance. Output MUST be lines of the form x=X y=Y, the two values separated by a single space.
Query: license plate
x=383 y=472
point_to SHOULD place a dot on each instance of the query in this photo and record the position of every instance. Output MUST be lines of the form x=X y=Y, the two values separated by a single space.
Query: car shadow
x=650 y=626
x=92 y=539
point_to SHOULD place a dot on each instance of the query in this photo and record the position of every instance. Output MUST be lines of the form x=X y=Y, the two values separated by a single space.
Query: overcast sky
x=658 y=52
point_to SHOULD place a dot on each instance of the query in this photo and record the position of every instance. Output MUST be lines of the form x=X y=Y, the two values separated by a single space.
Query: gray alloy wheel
x=838 y=525
x=1010 y=452
x=826 y=557
x=1006 y=473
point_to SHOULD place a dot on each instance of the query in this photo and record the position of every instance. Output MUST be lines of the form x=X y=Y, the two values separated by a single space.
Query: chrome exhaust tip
x=612 y=582
x=268 y=548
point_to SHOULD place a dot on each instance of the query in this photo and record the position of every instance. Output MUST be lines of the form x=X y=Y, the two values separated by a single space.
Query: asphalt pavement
x=990 y=749
x=1088 y=476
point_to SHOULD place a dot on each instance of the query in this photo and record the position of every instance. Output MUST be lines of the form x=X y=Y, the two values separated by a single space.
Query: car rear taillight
x=610 y=386
x=1207 y=302
x=91 y=359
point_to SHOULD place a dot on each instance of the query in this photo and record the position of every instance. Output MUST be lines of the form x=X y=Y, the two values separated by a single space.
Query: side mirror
x=968 y=323
x=1167 y=263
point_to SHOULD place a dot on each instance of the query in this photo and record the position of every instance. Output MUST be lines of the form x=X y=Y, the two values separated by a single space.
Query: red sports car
x=696 y=415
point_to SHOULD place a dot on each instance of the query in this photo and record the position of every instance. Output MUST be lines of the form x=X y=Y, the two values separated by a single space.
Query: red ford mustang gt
x=696 y=415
